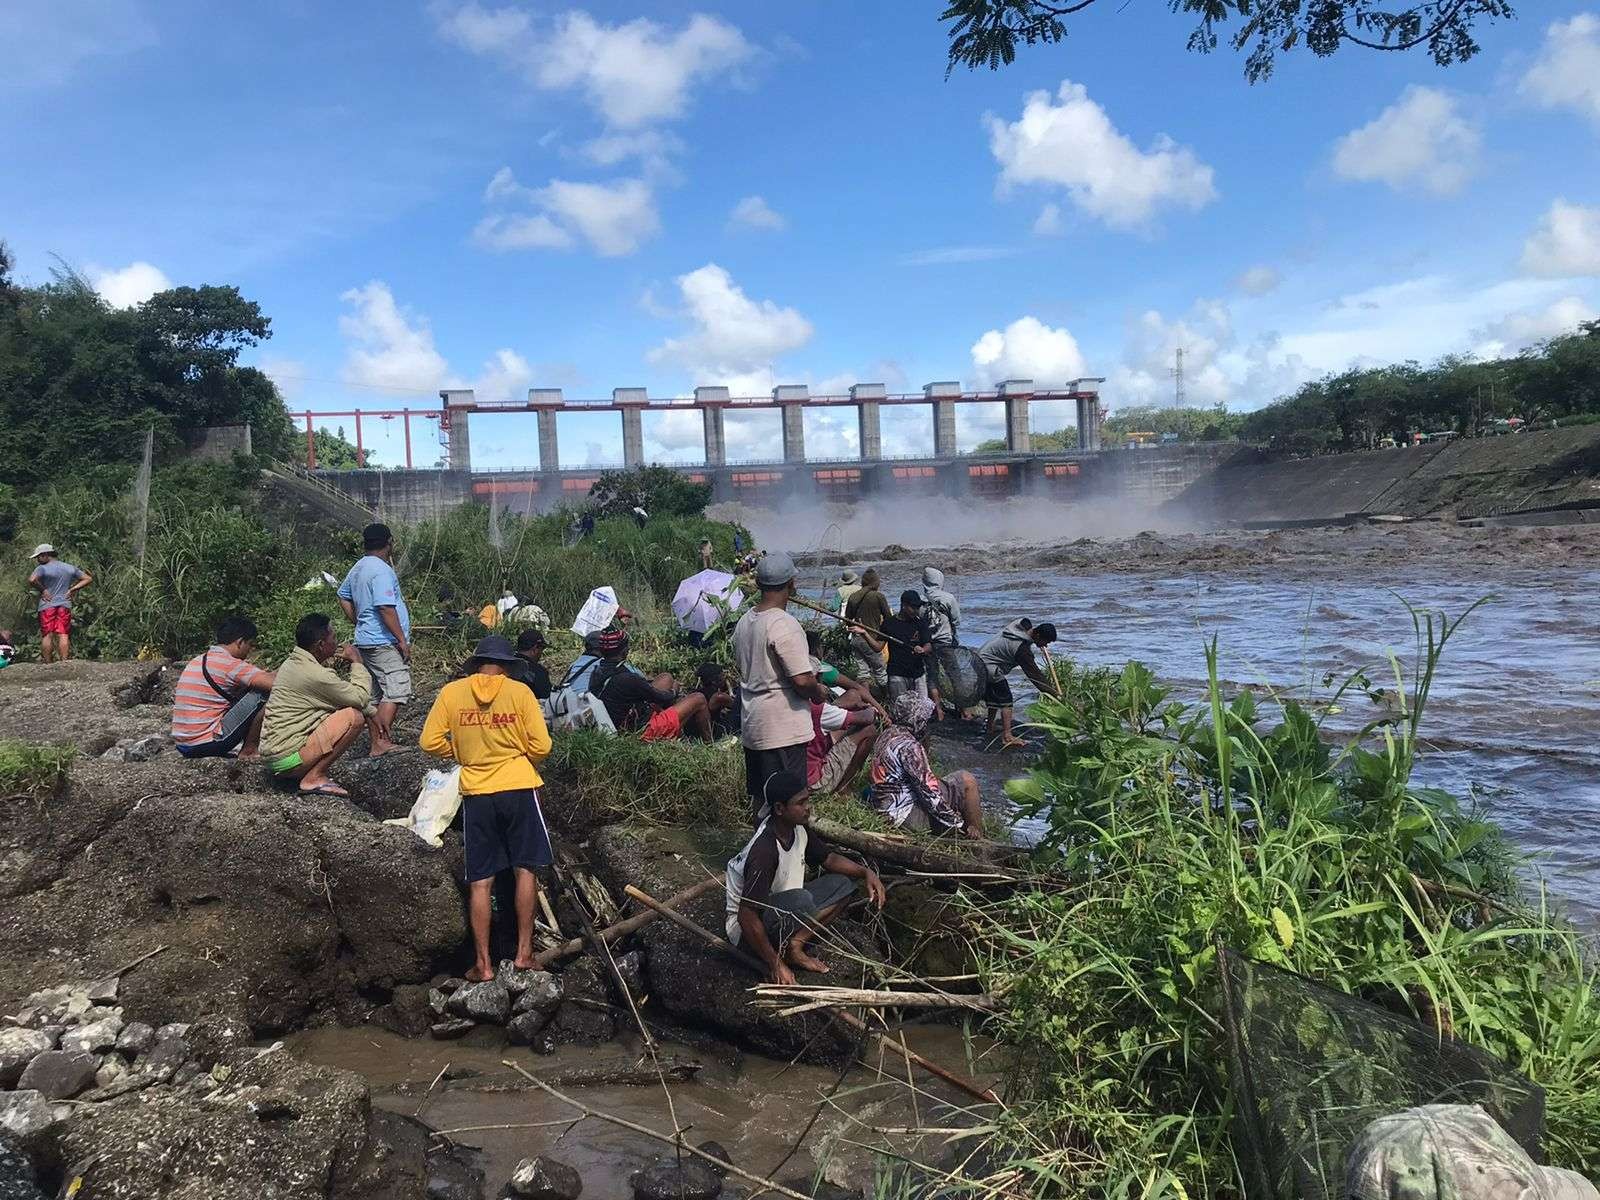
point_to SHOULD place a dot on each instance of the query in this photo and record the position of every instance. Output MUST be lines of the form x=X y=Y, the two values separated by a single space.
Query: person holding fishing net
x=1012 y=648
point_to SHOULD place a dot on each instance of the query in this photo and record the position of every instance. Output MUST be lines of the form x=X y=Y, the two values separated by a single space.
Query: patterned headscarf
x=912 y=713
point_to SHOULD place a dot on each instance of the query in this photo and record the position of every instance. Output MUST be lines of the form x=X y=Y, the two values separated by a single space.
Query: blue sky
x=502 y=196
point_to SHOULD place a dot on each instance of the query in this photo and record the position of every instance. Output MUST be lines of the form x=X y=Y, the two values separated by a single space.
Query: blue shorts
x=231 y=731
x=503 y=829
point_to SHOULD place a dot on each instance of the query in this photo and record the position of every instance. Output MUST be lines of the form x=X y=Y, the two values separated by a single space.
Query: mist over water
x=812 y=524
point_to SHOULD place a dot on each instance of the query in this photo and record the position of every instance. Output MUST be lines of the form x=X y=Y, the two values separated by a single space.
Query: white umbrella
x=693 y=604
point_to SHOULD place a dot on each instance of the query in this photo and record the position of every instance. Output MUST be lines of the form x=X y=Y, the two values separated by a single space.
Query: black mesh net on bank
x=1312 y=1067
x=959 y=674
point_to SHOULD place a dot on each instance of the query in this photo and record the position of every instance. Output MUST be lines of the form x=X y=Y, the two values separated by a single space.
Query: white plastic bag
x=596 y=612
x=435 y=806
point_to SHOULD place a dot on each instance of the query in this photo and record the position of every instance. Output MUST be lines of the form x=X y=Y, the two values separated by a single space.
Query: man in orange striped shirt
x=220 y=697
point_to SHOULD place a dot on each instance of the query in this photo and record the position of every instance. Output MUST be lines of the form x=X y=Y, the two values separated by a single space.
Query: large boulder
x=270 y=906
x=280 y=1130
x=696 y=983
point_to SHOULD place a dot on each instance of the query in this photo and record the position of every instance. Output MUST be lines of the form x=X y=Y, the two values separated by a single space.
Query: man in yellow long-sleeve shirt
x=493 y=727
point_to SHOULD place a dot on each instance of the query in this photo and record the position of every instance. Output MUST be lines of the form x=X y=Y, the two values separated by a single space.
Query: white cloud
x=1567 y=72
x=1149 y=356
x=944 y=255
x=653 y=149
x=733 y=340
x=1071 y=143
x=755 y=213
x=633 y=74
x=614 y=218
x=1027 y=349
x=1422 y=141
x=1048 y=223
x=129 y=286
x=505 y=376
x=1565 y=243
x=1519 y=330
x=388 y=347
x=1258 y=280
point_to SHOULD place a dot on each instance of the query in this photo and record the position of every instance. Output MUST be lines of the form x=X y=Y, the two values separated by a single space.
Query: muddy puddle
x=755 y=1107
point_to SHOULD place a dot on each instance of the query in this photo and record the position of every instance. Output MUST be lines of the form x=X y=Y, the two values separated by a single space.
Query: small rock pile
x=71 y=1043
x=523 y=1002
x=141 y=749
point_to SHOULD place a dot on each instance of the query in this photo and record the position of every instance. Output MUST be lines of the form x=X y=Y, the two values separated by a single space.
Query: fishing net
x=1312 y=1067
x=497 y=539
x=140 y=499
x=959 y=674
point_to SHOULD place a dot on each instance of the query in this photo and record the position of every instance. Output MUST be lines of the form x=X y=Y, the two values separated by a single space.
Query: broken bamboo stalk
x=676 y=1142
x=622 y=928
x=907 y=853
x=776 y=995
x=744 y=956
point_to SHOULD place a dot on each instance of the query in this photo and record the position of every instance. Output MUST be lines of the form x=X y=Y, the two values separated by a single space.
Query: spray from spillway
x=815 y=526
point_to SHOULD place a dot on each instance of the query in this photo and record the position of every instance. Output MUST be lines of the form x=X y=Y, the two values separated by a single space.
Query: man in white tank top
x=772 y=911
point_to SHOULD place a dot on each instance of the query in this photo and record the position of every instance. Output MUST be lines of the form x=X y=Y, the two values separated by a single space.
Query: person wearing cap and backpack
x=493 y=727
x=653 y=710
x=777 y=683
x=57 y=583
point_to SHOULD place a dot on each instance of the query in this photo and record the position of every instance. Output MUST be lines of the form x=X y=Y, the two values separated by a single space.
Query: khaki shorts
x=391 y=674
x=837 y=763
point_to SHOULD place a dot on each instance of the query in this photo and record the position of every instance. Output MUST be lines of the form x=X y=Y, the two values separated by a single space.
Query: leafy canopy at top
x=987 y=32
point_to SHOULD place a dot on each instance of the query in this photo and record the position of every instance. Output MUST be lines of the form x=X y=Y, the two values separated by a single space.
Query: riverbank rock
x=694 y=982
x=59 y=1074
x=689 y=1180
x=16 y=1173
x=544 y=1178
x=323 y=1142
x=271 y=907
x=18 y=1048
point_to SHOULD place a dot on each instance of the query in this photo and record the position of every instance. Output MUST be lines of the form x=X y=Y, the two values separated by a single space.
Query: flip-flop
x=325 y=789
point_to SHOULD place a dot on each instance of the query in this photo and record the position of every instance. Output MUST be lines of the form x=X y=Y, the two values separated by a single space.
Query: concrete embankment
x=1549 y=472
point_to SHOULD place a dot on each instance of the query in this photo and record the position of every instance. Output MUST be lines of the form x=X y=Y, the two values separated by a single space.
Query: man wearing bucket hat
x=493 y=727
x=777 y=683
x=57 y=583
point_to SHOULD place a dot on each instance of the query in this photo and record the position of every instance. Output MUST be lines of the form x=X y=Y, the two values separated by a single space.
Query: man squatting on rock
x=493 y=727
x=772 y=911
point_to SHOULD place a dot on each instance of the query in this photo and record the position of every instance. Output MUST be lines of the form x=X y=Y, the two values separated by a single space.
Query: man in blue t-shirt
x=370 y=596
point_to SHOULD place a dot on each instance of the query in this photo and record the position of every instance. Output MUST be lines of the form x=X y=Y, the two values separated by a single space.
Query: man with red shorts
x=57 y=583
x=652 y=709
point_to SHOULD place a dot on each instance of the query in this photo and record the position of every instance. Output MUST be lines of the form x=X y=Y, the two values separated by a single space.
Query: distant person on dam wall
x=57 y=583
x=370 y=596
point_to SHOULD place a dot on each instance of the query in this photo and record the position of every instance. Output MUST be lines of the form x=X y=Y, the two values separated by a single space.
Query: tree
x=660 y=491
x=81 y=382
x=336 y=453
x=1048 y=443
x=987 y=32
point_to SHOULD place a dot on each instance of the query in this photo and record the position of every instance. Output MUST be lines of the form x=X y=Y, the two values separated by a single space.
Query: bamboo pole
x=622 y=928
x=817 y=608
x=744 y=956
x=907 y=853
x=775 y=995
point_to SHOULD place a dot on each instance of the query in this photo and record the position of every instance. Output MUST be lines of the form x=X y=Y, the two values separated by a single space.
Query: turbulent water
x=1515 y=706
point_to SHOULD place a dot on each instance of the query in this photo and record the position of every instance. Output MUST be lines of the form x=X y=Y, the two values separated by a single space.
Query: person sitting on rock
x=313 y=716
x=8 y=647
x=772 y=911
x=220 y=697
x=493 y=727
x=652 y=708
x=840 y=743
x=712 y=682
x=904 y=787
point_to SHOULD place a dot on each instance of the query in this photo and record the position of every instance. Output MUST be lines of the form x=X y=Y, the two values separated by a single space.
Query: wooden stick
x=429 y=1092
x=776 y=994
x=483 y=1128
x=676 y=1142
x=877 y=633
x=622 y=928
x=906 y=853
x=549 y=913
x=123 y=970
x=933 y=1068
x=744 y=956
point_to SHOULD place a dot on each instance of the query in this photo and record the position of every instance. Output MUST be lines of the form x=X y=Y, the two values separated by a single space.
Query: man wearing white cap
x=777 y=684
x=56 y=582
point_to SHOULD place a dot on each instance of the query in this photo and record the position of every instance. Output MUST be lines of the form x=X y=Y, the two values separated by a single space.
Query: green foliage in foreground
x=33 y=772
x=1176 y=825
x=690 y=784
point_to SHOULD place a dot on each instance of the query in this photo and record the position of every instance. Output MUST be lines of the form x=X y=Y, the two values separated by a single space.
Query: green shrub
x=28 y=771
x=684 y=783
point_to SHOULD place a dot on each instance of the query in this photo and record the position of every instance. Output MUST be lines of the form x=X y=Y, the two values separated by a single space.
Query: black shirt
x=629 y=697
x=534 y=675
x=902 y=662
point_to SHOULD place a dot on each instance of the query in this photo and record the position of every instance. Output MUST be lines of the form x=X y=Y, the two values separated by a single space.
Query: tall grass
x=1175 y=826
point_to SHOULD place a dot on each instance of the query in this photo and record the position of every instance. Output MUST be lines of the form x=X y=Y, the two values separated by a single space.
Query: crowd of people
x=805 y=726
